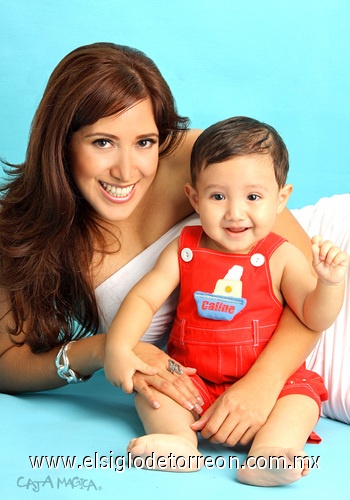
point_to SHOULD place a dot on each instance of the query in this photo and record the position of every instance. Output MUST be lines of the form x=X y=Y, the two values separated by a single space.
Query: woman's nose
x=122 y=166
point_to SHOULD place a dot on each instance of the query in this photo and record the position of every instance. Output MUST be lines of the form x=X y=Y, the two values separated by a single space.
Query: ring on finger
x=174 y=367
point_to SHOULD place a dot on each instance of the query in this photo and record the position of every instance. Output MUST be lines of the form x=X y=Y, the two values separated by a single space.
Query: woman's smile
x=117 y=193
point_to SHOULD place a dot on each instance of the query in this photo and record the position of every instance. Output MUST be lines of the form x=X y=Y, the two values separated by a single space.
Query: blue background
x=283 y=62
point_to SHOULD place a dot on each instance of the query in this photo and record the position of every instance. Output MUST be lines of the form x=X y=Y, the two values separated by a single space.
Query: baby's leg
x=170 y=443
x=283 y=436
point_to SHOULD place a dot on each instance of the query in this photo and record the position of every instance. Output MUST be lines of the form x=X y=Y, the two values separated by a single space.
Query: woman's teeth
x=117 y=192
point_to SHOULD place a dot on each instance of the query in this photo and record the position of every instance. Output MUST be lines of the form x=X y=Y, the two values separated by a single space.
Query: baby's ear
x=283 y=197
x=192 y=195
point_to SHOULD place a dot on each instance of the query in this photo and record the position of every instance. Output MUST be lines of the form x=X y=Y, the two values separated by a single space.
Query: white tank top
x=111 y=292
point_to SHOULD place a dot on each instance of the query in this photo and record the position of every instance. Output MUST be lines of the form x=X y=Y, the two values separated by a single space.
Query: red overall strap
x=190 y=236
x=268 y=245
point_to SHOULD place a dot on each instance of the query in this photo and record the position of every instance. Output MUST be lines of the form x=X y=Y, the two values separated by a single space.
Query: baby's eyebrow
x=256 y=186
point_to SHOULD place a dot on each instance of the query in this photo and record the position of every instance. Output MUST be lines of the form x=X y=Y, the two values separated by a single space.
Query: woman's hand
x=237 y=415
x=121 y=365
x=177 y=387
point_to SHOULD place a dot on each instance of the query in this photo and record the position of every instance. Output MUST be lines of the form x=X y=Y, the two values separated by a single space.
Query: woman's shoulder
x=179 y=159
x=173 y=174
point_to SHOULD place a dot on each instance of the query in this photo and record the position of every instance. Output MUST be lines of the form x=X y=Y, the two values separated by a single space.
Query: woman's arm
x=23 y=371
x=287 y=226
x=240 y=412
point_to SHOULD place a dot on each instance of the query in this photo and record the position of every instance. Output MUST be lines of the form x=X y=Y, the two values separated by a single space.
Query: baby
x=235 y=276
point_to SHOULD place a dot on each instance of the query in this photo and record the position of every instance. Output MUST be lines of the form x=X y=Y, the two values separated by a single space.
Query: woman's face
x=114 y=161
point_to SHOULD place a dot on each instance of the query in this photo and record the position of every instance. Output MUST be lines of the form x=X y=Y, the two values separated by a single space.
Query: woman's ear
x=283 y=197
x=192 y=196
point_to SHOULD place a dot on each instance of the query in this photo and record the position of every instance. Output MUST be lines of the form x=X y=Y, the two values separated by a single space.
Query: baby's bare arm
x=134 y=317
x=316 y=302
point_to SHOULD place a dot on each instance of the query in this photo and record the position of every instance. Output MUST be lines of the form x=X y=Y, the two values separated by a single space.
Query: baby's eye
x=102 y=143
x=217 y=196
x=253 y=197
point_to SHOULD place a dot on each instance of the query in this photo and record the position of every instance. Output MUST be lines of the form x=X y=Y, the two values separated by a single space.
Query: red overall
x=223 y=351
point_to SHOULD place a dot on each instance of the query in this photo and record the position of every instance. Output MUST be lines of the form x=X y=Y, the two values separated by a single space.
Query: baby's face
x=237 y=201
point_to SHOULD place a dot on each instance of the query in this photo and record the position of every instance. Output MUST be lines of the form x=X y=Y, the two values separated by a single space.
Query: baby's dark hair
x=239 y=136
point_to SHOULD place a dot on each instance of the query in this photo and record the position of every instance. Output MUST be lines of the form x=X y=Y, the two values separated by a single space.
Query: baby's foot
x=274 y=467
x=165 y=452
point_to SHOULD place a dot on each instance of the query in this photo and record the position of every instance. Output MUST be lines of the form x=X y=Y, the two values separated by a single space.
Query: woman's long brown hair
x=48 y=232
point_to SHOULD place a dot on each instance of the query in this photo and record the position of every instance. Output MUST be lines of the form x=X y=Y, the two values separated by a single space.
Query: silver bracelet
x=64 y=370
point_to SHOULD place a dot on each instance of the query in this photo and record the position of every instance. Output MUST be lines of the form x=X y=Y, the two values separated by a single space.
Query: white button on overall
x=186 y=254
x=257 y=260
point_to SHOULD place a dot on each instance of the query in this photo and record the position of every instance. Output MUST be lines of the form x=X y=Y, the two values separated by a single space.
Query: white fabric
x=330 y=218
x=111 y=292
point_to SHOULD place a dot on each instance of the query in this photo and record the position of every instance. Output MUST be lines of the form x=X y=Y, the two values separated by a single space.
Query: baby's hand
x=120 y=368
x=329 y=261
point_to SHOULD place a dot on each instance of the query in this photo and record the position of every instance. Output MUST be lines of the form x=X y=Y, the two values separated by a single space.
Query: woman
x=90 y=201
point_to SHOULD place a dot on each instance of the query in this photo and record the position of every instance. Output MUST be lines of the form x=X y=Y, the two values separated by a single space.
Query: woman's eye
x=146 y=143
x=102 y=143
x=217 y=197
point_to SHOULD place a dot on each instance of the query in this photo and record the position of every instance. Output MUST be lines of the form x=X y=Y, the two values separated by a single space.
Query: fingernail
x=198 y=409
x=200 y=401
x=188 y=405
